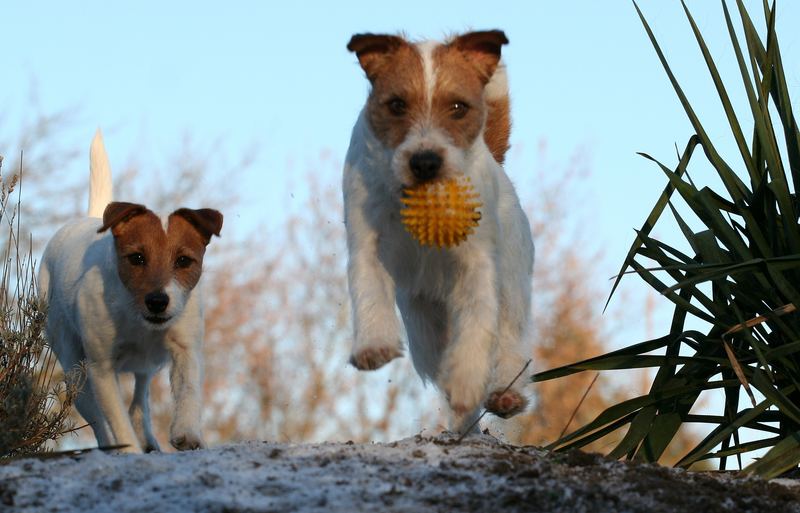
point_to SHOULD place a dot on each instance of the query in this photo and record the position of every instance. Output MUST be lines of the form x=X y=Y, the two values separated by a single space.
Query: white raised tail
x=100 y=186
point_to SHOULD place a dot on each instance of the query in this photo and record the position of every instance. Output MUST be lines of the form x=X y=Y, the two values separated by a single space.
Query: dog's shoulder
x=365 y=163
x=77 y=247
x=79 y=233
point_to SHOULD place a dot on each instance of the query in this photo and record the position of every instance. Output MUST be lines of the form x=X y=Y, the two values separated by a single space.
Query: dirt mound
x=414 y=474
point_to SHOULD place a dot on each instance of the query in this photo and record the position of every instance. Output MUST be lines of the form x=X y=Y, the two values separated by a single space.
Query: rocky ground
x=415 y=474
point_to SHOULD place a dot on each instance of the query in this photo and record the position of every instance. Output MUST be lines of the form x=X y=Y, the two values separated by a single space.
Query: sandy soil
x=415 y=474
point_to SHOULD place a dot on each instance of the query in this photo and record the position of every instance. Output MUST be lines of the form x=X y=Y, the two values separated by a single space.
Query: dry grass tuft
x=33 y=409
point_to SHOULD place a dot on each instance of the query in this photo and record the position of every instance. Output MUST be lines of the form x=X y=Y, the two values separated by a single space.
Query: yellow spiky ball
x=441 y=213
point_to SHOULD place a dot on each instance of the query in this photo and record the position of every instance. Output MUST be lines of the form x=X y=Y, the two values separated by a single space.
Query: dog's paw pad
x=187 y=442
x=373 y=358
x=152 y=448
x=505 y=404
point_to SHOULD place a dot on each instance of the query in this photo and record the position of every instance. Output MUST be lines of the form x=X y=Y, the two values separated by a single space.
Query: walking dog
x=438 y=111
x=123 y=295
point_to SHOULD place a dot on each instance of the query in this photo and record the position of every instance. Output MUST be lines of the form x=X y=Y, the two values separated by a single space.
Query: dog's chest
x=416 y=270
x=143 y=353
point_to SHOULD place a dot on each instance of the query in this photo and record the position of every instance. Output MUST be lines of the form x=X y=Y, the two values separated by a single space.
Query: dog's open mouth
x=156 y=320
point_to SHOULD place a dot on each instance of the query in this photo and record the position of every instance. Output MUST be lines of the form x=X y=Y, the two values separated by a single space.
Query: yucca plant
x=741 y=279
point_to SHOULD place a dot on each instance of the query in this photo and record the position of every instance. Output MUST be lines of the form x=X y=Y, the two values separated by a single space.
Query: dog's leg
x=426 y=325
x=501 y=402
x=377 y=340
x=472 y=322
x=69 y=349
x=509 y=360
x=87 y=407
x=377 y=328
x=467 y=424
x=186 y=381
x=139 y=412
x=514 y=323
x=106 y=389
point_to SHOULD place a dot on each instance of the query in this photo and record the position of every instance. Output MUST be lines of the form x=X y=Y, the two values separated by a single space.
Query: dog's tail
x=100 y=187
x=498 y=115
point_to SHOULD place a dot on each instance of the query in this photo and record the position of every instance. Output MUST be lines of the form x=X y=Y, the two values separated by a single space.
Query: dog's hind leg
x=425 y=321
x=139 y=412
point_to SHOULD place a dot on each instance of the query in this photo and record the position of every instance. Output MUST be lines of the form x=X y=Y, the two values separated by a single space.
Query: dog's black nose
x=425 y=164
x=156 y=302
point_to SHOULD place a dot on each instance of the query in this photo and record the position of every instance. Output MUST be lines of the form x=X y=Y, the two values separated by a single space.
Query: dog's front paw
x=187 y=442
x=129 y=449
x=505 y=404
x=464 y=395
x=463 y=381
x=372 y=358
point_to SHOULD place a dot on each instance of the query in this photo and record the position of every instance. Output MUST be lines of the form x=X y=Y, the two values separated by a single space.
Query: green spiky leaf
x=740 y=278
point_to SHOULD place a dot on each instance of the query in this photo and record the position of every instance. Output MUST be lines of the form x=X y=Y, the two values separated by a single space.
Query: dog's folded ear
x=371 y=48
x=118 y=212
x=206 y=221
x=482 y=48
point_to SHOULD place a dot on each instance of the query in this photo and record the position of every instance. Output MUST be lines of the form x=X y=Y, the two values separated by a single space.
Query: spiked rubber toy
x=442 y=213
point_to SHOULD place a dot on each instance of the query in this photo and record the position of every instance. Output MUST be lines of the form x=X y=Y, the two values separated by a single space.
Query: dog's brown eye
x=458 y=110
x=136 y=259
x=183 y=262
x=397 y=106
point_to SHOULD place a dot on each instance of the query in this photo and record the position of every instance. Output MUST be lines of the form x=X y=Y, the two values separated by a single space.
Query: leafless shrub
x=34 y=407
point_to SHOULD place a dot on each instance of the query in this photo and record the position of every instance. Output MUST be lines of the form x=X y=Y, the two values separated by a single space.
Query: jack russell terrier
x=122 y=294
x=438 y=111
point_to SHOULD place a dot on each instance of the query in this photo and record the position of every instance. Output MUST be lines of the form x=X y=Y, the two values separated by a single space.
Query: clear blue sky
x=276 y=75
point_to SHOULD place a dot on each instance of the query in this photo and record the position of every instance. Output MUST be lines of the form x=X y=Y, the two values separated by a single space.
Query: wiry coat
x=465 y=309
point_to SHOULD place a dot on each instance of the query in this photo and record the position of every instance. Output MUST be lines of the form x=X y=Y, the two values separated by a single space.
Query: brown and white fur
x=438 y=110
x=123 y=295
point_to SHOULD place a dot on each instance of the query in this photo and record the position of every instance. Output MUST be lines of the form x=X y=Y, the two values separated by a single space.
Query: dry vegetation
x=278 y=324
x=34 y=407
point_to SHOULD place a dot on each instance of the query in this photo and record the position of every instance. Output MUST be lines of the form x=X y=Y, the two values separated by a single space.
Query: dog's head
x=160 y=261
x=431 y=102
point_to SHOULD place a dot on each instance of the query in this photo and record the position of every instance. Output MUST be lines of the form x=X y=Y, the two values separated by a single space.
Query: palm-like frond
x=742 y=280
